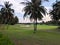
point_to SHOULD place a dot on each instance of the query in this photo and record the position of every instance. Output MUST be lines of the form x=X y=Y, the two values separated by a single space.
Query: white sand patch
x=25 y=26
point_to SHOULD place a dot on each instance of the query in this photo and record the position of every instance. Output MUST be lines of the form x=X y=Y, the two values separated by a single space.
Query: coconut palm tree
x=35 y=10
x=6 y=13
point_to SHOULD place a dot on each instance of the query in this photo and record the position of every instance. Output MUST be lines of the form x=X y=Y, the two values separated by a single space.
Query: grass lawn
x=4 y=40
x=23 y=35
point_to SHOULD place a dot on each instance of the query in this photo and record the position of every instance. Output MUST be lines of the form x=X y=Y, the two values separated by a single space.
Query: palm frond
x=39 y=16
x=42 y=9
x=25 y=3
x=34 y=9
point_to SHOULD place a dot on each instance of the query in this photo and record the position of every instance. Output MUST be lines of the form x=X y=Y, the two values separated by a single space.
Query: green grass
x=45 y=27
x=4 y=40
x=22 y=35
x=30 y=27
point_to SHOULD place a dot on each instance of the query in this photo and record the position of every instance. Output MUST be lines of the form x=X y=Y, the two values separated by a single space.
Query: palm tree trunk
x=35 y=26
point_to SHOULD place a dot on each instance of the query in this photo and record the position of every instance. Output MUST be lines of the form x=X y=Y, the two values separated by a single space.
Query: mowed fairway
x=23 y=35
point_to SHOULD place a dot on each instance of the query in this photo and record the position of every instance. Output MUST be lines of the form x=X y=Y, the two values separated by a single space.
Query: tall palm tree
x=7 y=13
x=35 y=10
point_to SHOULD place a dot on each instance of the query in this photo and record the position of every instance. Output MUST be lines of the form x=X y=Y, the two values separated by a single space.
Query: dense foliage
x=56 y=11
x=7 y=14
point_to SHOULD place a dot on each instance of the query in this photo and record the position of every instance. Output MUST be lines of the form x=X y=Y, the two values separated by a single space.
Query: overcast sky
x=19 y=7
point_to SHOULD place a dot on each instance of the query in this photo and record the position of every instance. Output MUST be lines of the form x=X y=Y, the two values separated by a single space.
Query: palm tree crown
x=34 y=9
x=7 y=12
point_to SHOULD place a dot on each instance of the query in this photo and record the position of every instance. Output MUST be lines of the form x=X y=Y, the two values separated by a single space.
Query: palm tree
x=56 y=12
x=35 y=10
x=7 y=13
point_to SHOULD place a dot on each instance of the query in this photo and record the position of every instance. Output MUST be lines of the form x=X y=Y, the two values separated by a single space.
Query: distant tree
x=34 y=9
x=16 y=20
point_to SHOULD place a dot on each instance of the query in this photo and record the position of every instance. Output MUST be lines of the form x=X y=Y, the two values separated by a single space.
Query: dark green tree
x=6 y=13
x=16 y=20
x=55 y=13
x=35 y=10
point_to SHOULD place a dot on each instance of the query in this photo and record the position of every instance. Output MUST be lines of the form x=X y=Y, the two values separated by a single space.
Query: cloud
x=16 y=5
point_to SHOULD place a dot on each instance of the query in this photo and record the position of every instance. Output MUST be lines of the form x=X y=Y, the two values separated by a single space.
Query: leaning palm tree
x=35 y=10
x=6 y=13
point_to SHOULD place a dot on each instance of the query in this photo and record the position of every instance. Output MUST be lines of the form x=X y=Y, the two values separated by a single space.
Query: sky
x=19 y=9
